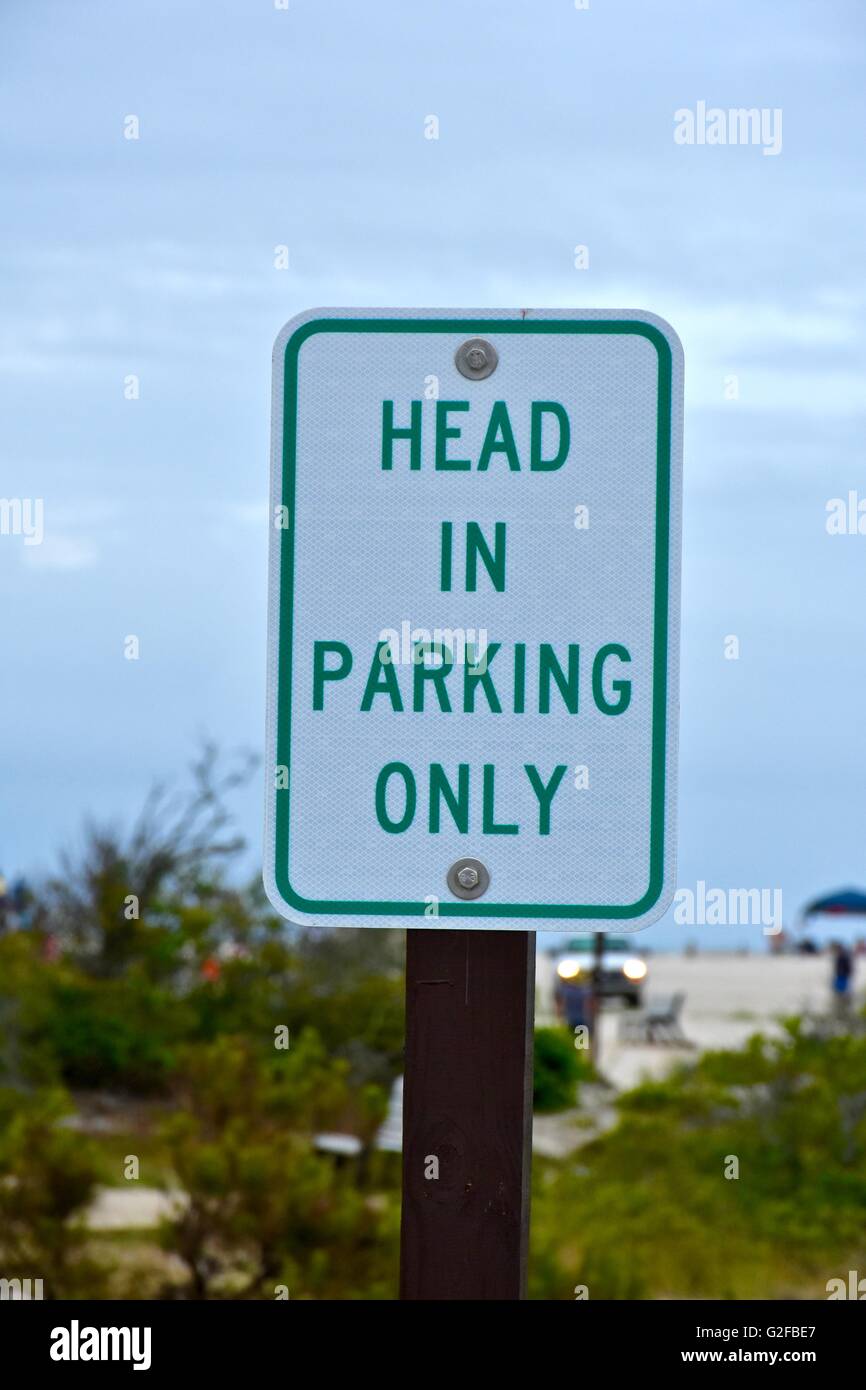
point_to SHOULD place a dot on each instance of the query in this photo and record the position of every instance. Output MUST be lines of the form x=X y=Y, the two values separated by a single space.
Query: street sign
x=474 y=618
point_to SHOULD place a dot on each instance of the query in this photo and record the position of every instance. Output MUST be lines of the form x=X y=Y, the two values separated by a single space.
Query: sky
x=306 y=127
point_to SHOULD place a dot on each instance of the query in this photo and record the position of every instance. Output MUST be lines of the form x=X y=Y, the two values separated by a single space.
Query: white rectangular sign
x=474 y=618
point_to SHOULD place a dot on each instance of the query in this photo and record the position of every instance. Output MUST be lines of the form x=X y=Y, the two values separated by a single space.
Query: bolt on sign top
x=474 y=618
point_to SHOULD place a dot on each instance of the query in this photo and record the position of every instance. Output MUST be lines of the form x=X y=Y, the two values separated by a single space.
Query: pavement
x=132 y=1208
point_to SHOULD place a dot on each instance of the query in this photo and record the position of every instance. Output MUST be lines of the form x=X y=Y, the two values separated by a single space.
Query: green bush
x=558 y=1069
x=48 y=1175
x=112 y=1034
x=740 y=1176
x=264 y=1207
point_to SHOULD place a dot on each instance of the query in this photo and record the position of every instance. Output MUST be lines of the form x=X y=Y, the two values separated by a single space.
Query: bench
x=657 y=1022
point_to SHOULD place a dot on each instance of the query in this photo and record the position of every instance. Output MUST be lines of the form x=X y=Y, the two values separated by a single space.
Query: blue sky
x=305 y=127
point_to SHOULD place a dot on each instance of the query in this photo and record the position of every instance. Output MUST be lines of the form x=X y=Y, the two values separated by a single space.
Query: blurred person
x=843 y=970
x=573 y=1004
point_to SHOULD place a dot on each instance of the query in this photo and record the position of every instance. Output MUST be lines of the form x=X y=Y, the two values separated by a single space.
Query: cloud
x=61 y=552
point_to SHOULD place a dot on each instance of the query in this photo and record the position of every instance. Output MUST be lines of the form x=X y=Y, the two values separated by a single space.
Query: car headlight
x=634 y=969
x=568 y=968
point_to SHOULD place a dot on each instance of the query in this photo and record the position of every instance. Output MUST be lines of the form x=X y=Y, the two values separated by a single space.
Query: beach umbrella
x=848 y=902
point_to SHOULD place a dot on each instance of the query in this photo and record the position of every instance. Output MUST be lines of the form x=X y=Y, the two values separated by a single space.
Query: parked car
x=623 y=968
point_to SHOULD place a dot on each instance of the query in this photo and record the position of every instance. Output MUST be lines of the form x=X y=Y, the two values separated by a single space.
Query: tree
x=263 y=1207
x=47 y=1177
x=106 y=905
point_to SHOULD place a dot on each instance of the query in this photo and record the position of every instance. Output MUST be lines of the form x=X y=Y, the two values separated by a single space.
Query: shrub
x=47 y=1178
x=558 y=1069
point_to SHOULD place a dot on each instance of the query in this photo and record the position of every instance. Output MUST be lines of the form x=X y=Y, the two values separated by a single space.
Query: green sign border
x=475 y=327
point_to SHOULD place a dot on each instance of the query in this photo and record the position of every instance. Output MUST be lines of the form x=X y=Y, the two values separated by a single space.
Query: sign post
x=467 y=1114
x=472 y=708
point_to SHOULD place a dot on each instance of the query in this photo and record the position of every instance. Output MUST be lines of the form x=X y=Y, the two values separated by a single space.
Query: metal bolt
x=476 y=359
x=468 y=879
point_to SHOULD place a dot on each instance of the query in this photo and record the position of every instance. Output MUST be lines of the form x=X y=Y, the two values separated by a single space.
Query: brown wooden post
x=467 y=1114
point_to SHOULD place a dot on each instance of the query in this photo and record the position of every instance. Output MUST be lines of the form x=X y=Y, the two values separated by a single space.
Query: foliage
x=265 y=1209
x=649 y=1211
x=558 y=1069
x=177 y=840
x=47 y=1175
